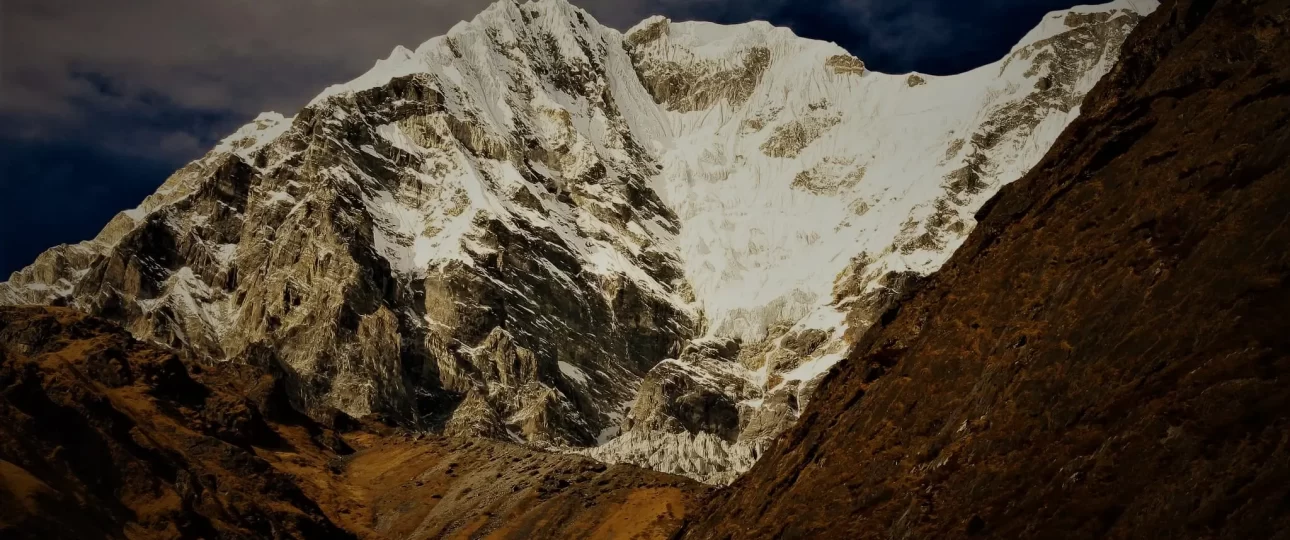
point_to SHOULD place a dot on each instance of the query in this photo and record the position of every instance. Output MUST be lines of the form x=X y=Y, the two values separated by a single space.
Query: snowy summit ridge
x=645 y=246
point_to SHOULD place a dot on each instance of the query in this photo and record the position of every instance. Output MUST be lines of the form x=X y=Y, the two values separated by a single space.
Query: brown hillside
x=102 y=436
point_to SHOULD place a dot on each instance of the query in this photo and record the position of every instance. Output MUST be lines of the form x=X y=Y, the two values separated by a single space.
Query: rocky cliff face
x=1106 y=354
x=480 y=232
x=508 y=230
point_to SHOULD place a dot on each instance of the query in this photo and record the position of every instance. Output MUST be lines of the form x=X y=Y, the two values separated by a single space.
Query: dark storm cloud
x=64 y=60
x=68 y=62
x=100 y=99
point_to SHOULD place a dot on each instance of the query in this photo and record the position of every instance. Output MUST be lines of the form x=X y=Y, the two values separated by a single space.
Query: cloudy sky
x=101 y=100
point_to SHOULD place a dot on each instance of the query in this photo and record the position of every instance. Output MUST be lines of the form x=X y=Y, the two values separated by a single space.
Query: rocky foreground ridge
x=103 y=436
x=646 y=246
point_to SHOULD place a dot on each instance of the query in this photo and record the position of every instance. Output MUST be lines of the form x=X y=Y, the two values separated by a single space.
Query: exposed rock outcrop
x=683 y=81
x=697 y=392
x=845 y=64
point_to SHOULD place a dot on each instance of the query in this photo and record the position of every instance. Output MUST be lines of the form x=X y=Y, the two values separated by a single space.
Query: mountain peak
x=520 y=228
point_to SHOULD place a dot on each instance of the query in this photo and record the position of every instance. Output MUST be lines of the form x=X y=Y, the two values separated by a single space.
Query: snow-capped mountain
x=644 y=246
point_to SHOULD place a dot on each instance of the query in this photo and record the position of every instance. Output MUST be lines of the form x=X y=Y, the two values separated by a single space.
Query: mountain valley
x=539 y=278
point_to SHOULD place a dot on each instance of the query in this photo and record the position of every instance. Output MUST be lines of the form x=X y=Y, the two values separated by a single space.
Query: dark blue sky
x=100 y=101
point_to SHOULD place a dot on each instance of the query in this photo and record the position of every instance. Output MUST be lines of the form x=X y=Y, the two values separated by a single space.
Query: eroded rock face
x=516 y=229
x=830 y=176
x=1106 y=355
x=788 y=140
x=398 y=250
x=845 y=64
x=698 y=392
x=683 y=81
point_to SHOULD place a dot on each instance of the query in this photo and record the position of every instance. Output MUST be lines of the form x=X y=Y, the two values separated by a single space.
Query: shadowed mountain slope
x=103 y=436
